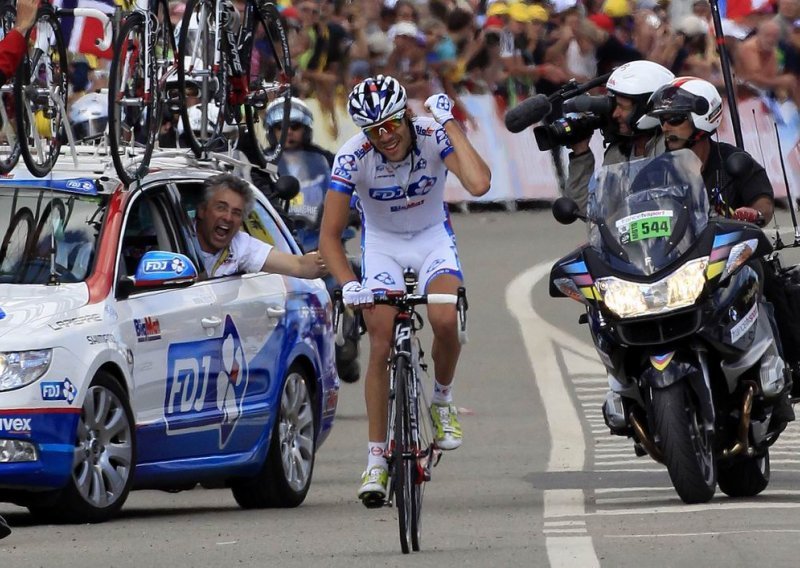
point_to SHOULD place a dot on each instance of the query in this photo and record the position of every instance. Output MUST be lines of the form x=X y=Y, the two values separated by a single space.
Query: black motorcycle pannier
x=782 y=289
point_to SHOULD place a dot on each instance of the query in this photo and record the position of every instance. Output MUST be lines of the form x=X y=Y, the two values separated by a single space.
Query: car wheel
x=285 y=478
x=103 y=459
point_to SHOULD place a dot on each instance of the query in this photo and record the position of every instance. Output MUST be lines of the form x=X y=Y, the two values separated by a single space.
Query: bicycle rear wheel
x=200 y=79
x=265 y=55
x=40 y=94
x=9 y=143
x=134 y=116
x=406 y=483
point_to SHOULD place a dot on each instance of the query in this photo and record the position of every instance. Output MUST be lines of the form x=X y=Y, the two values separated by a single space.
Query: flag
x=81 y=34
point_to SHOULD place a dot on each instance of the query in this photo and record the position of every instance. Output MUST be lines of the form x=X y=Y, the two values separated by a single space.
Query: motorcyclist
x=629 y=88
x=690 y=111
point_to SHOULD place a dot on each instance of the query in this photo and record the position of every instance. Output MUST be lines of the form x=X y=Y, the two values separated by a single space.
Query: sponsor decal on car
x=59 y=390
x=206 y=385
x=15 y=425
x=147 y=329
x=101 y=338
x=80 y=320
x=2 y=313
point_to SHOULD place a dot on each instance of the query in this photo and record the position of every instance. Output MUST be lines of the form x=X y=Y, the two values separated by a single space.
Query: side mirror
x=739 y=164
x=566 y=211
x=160 y=269
x=287 y=187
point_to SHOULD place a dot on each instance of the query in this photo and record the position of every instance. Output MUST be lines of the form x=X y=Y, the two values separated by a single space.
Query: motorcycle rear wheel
x=687 y=448
x=746 y=477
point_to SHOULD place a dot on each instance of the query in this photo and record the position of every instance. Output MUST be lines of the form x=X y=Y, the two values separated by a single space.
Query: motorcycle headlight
x=20 y=368
x=678 y=290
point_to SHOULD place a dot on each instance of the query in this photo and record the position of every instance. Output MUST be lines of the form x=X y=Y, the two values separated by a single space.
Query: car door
x=252 y=307
x=173 y=336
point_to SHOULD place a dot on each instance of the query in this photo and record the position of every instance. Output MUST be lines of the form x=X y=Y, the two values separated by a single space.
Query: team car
x=122 y=367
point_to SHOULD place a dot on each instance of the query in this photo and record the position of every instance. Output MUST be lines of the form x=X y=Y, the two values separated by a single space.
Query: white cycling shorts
x=430 y=253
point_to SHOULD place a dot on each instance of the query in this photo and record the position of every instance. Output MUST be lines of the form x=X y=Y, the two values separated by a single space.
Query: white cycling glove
x=355 y=295
x=441 y=107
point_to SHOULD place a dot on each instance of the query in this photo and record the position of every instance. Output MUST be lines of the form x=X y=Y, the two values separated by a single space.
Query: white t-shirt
x=244 y=254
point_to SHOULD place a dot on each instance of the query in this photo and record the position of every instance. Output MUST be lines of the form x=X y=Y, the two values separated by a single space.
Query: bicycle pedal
x=373 y=500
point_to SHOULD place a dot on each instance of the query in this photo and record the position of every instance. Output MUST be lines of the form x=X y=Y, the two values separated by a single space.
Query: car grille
x=659 y=330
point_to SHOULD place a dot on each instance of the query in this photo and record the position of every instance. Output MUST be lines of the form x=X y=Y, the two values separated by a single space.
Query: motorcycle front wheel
x=687 y=447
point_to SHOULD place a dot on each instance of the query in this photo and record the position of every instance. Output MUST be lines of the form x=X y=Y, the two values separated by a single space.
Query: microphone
x=528 y=112
x=600 y=105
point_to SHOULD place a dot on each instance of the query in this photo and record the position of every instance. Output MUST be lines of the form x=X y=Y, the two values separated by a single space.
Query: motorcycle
x=301 y=207
x=676 y=314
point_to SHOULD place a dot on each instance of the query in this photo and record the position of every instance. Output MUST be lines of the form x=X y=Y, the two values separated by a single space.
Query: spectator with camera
x=629 y=87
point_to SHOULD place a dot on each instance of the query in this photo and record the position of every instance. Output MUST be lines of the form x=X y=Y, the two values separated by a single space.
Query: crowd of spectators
x=513 y=48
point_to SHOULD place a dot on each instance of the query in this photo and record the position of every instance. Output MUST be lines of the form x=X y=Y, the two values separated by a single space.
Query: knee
x=443 y=322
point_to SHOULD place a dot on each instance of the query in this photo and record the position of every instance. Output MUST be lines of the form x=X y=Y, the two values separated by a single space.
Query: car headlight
x=678 y=290
x=20 y=368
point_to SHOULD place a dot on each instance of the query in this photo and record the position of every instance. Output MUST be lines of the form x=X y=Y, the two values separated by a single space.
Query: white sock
x=442 y=393
x=375 y=455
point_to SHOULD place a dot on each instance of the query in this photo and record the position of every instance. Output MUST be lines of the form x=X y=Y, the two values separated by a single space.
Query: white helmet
x=374 y=100
x=298 y=113
x=638 y=78
x=89 y=116
x=696 y=98
x=195 y=113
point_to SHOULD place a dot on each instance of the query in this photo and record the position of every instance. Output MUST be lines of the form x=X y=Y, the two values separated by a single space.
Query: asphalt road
x=538 y=482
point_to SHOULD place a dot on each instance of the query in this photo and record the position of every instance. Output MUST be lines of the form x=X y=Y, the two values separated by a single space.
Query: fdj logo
x=419 y=188
x=156 y=265
x=206 y=385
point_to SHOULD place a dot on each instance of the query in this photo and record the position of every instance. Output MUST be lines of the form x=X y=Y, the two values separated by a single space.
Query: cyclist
x=397 y=167
x=12 y=46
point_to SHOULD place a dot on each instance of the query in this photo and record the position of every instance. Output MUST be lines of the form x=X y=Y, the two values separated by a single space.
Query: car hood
x=24 y=310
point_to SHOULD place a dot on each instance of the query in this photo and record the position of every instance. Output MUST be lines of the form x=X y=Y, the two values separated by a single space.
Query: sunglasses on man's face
x=292 y=126
x=673 y=119
x=389 y=125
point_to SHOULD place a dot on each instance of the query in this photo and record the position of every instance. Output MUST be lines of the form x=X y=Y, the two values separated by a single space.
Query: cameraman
x=629 y=87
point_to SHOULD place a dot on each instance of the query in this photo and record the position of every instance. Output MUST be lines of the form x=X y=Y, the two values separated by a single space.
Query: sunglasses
x=389 y=125
x=292 y=126
x=673 y=119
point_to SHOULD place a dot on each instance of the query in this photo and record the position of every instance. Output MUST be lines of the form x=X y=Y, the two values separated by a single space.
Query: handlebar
x=108 y=30
x=398 y=299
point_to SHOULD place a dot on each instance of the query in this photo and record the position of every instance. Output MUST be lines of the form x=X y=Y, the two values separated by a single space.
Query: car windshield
x=646 y=213
x=47 y=236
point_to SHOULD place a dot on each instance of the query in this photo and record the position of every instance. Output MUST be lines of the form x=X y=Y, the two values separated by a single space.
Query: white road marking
x=714 y=533
x=567 y=447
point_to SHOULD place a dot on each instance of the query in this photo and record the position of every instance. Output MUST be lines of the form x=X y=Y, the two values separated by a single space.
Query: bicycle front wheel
x=9 y=143
x=265 y=55
x=134 y=112
x=200 y=79
x=40 y=94
x=406 y=483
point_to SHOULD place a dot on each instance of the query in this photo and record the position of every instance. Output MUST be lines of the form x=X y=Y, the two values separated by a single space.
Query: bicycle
x=40 y=89
x=218 y=58
x=144 y=58
x=411 y=451
x=9 y=145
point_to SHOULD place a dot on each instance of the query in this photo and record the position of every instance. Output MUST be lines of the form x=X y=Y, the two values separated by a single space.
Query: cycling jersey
x=397 y=197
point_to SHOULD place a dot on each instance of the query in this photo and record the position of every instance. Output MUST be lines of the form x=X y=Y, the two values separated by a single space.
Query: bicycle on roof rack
x=411 y=452
x=217 y=58
x=40 y=89
x=144 y=57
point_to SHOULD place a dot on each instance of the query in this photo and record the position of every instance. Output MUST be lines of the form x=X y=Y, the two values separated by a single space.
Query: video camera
x=572 y=115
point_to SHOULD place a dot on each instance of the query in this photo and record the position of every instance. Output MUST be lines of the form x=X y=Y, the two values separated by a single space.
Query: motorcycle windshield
x=644 y=214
